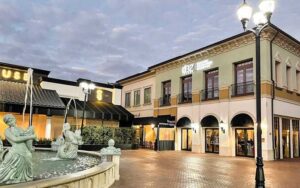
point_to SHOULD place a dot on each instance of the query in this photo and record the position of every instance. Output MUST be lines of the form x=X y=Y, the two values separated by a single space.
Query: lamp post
x=87 y=87
x=261 y=20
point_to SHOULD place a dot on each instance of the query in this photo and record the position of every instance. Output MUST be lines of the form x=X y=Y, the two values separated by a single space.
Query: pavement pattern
x=180 y=169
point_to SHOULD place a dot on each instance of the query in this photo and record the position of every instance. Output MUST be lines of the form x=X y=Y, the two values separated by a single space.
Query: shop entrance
x=244 y=135
x=244 y=142
x=186 y=139
x=212 y=140
x=211 y=126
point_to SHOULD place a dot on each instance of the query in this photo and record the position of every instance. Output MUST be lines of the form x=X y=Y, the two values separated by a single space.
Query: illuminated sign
x=201 y=65
x=9 y=74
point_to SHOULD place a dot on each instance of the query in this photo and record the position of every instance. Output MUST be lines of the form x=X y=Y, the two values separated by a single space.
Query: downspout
x=273 y=92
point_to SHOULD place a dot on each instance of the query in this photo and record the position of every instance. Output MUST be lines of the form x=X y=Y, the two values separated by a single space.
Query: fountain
x=23 y=166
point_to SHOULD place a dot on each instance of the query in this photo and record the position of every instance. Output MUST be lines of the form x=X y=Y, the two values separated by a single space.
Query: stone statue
x=1 y=145
x=58 y=142
x=16 y=166
x=69 y=148
x=110 y=150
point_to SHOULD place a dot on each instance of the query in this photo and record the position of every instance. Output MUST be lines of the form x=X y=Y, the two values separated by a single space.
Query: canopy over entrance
x=242 y=120
x=210 y=121
x=184 y=122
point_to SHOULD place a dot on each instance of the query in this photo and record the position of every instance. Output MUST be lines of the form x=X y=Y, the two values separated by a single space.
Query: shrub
x=100 y=135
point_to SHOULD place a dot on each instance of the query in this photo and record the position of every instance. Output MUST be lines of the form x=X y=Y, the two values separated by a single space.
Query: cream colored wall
x=142 y=110
x=76 y=92
x=286 y=58
x=63 y=90
x=224 y=62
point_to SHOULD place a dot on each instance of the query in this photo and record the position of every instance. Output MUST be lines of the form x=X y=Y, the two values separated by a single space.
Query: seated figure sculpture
x=16 y=166
x=69 y=148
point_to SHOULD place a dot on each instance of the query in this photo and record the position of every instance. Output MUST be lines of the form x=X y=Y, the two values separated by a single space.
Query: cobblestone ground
x=172 y=169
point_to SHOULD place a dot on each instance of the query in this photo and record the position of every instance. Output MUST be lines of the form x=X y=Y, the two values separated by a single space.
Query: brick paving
x=178 y=169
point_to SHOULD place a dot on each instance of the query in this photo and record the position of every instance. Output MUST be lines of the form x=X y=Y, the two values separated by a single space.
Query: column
x=48 y=128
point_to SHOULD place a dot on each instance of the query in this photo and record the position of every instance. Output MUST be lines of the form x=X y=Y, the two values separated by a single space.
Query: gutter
x=273 y=91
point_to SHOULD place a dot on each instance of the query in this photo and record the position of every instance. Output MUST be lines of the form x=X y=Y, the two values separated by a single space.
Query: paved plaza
x=178 y=169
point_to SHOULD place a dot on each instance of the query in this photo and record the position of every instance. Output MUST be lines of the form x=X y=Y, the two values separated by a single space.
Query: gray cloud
x=109 y=39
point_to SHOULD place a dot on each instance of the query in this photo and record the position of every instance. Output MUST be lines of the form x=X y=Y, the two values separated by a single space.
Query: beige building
x=210 y=93
x=50 y=97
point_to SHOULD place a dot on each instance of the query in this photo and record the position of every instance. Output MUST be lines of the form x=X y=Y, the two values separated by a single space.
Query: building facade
x=50 y=99
x=210 y=93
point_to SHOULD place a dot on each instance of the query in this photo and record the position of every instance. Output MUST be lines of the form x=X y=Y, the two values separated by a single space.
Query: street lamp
x=261 y=20
x=87 y=87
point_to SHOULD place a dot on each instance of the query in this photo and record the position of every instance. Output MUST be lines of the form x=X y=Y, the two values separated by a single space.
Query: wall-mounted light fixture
x=222 y=126
x=152 y=125
x=193 y=125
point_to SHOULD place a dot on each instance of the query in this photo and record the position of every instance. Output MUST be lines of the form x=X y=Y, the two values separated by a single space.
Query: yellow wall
x=39 y=123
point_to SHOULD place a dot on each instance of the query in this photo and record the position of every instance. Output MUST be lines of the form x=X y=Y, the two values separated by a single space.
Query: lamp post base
x=260 y=176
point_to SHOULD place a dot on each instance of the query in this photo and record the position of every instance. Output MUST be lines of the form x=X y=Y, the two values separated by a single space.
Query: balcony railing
x=184 y=98
x=165 y=101
x=241 y=89
x=210 y=94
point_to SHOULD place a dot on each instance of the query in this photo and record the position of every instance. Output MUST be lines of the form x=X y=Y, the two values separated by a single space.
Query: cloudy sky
x=106 y=40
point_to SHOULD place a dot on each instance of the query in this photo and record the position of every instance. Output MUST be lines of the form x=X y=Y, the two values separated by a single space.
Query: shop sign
x=10 y=74
x=201 y=65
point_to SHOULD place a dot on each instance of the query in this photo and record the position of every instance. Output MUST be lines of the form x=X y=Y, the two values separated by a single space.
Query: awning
x=14 y=93
x=153 y=120
x=99 y=110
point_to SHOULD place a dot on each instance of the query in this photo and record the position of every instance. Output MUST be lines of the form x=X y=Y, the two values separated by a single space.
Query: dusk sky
x=106 y=40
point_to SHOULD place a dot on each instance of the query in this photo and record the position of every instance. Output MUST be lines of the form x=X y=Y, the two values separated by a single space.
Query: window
x=278 y=73
x=166 y=93
x=186 y=94
x=137 y=97
x=211 y=85
x=288 y=77
x=127 y=99
x=243 y=79
x=147 y=95
x=298 y=80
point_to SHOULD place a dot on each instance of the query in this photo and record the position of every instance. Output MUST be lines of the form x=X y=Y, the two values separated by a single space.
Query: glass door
x=244 y=142
x=212 y=140
x=276 y=138
x=186 y=139
x=286 y=138
x=295 y=138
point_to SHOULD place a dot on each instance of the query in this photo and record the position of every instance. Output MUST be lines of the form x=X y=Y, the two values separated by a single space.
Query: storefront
x=210 y=125
x=243 y=126
x=157 y=133
x=184 y=129
x=286 y=138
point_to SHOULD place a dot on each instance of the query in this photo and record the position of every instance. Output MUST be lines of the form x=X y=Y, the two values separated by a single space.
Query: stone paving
x=178 y=169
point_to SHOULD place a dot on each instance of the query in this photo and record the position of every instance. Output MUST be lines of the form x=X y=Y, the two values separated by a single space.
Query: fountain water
x=16 y=165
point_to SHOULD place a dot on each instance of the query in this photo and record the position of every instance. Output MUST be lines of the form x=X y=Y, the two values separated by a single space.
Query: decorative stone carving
x=58 y=142
x=110 y=150
x=69 y=148
x=17 y=164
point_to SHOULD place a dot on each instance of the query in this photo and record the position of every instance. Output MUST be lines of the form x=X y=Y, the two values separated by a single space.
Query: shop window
x=298 y=80
x=186 y=90
x=286 y=137
x=137 y=97
x=276 y=138
x=296 y=149
x=147 y=95
x=127 y=99
x=166 y=94
x=243 y=79
x=288 y=77
x=211 y=90
x=278 y=75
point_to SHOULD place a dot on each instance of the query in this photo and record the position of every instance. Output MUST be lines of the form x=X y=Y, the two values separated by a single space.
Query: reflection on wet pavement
x=146 y=168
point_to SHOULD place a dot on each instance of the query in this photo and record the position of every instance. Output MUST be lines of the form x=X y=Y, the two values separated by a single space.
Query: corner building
x=210 y=95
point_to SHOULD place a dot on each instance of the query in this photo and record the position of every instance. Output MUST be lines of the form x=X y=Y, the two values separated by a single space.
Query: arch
x=209 y=121
x=184 y=122
x=242 y=120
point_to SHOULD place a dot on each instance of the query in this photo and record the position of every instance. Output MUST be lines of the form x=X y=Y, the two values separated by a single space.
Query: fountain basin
x=92 y=175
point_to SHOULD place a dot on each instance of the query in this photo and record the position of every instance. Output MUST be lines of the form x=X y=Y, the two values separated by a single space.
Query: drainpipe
x=273 y=91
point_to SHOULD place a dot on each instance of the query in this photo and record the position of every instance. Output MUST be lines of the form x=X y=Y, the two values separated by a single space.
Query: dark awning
x=99 y=110
x=183 y=122
x=153 y=120
x=14 y=93
x=210 y=121
x=242 y=120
